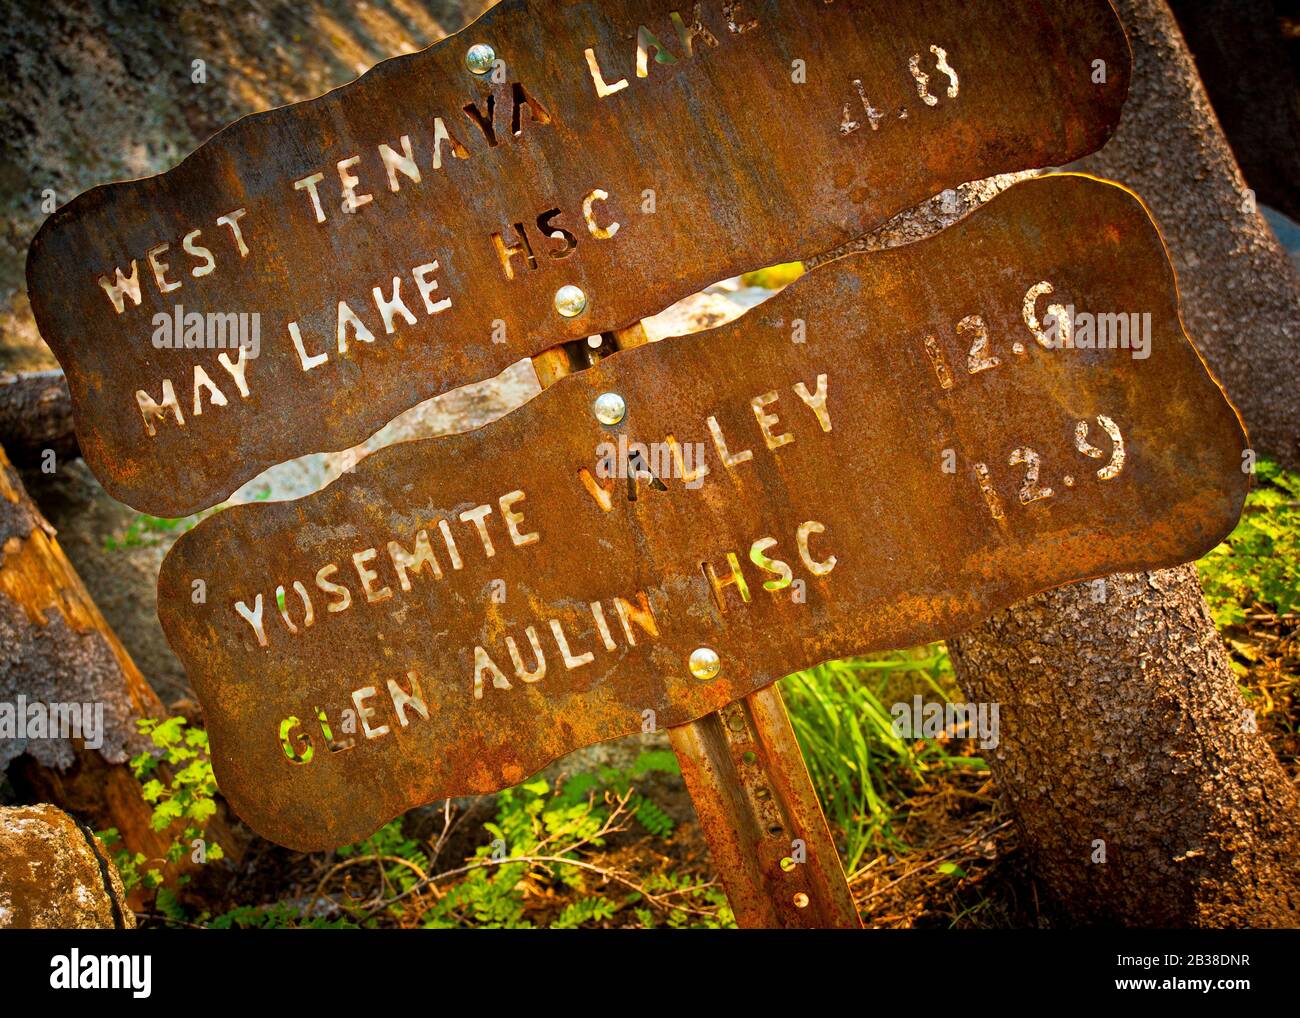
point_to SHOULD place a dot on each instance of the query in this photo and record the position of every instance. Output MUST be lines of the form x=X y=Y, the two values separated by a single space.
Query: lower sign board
x=313 y=271
x=894 y=447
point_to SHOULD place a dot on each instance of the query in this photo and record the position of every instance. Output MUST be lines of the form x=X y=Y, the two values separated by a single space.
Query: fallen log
x=36 y=416
x=59 y=650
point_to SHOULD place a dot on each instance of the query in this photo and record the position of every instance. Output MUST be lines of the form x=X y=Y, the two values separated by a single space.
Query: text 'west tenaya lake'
x=409 y=232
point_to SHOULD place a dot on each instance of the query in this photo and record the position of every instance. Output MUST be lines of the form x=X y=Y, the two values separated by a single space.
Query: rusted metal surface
x=753 y=797
x=757 y=805
x=885 y=547
x=782 y=130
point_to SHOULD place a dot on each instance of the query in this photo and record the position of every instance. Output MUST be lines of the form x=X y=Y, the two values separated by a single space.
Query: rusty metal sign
x=889 y=450
x=312 y=271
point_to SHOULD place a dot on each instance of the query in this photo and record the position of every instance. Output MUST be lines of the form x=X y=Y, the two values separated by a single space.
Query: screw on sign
x=558 y=170
x=776 y=462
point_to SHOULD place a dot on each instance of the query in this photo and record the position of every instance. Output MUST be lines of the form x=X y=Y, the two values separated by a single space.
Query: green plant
x=648 y=814
x=146 y=530
x=280 y=916
x=129 y=864
x=183 y=804
x=1256 y=570
x=700 y=907
x=530 y=822
x=547 y=845
x=545 y=841
x=402 y=859
x=774 y=277
x=584 y=910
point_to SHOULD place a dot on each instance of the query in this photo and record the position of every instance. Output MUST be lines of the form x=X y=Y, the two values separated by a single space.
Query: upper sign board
x=409 y=232
x=889 y=450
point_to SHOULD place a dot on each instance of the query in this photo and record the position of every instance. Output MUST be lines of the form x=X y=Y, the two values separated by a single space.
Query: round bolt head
x=705 y=663
x=609 y=408
x=570 y=301
x=480 y=58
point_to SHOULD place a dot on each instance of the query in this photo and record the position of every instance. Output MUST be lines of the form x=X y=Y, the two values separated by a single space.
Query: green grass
x=1257 y=569
x=862 y=770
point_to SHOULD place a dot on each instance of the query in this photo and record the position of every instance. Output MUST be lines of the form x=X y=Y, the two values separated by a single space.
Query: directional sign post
x=883 y=454
x=491 y=601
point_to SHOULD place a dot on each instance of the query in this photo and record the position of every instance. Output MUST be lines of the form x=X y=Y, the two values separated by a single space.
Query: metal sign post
x=745 y=774
x=883 y=454
x=759 y=810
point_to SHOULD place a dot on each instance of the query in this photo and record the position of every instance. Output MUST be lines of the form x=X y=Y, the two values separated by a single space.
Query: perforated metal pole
x=759 y=811
x=746 y=775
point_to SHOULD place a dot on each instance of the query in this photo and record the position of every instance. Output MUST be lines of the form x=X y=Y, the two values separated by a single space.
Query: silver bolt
x=705 y=663
x=480 y=58
x=570 y=301
x=609 y=408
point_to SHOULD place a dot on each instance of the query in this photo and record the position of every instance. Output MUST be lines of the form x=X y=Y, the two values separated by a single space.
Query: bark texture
x=1122 y=728
x=56 y=647
x=1240 y=291
x=36 y=415
x=1241 y=54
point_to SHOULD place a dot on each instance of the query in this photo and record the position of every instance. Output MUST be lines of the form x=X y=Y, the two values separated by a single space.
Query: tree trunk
x=1240 y=291
x=1242 y=59
x=1124 y=738
x=1121 y=722
x=1122 y=725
